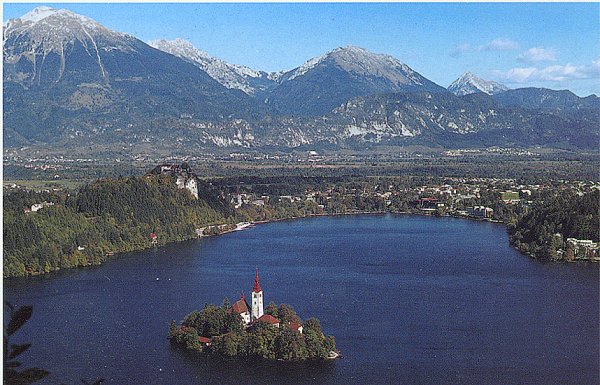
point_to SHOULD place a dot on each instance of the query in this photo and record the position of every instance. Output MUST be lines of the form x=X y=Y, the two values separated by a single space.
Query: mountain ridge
x=234 y=76
x=69 y=81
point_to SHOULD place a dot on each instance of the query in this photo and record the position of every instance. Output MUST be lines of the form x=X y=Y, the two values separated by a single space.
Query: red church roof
x=268 y=318
x=256 y=287
x=240 y=306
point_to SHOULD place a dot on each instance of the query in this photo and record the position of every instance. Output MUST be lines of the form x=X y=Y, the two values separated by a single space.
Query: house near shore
x=425 y=204
x=480 y=212
x=584 y=248
x=205 y=341
x=297 y=326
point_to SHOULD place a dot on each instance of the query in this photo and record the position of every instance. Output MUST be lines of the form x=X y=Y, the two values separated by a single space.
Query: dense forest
x=218 y=330
x=104 y=217
x=542 y=232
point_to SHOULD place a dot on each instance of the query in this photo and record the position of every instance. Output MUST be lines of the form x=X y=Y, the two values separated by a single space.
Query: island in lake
x=243 y=330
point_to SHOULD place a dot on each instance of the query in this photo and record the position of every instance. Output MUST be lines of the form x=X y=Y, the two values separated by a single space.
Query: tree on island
x=284 y=313
x=213 y=321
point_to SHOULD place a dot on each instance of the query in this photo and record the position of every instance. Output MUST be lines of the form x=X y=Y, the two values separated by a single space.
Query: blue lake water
x=410 y=300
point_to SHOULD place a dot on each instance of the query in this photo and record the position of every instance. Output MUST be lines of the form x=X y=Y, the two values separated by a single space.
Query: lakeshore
x=135 y=219
x=242 y=226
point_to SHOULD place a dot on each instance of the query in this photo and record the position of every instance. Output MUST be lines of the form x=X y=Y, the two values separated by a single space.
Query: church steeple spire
x=256 y=287
x=257 y=299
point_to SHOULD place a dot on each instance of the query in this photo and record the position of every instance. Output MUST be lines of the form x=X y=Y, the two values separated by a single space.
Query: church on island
x=256 y=313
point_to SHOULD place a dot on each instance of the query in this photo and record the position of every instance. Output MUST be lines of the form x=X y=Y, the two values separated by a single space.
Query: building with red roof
x=251 y=313
x=269 y=319
x=297 y=326
x=241 y=307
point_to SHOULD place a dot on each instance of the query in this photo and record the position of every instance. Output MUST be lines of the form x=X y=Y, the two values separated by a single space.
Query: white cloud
x=557 y=73
x=500 y=44
x=460 y=49
x=538 y=54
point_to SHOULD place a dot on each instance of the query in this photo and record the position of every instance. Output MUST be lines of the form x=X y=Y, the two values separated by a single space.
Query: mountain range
x=69 y=81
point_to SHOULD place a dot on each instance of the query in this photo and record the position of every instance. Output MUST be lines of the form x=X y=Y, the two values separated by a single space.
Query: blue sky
x=519 y=44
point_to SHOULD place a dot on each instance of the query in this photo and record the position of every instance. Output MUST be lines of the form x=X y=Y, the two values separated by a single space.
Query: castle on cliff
x=185 y=177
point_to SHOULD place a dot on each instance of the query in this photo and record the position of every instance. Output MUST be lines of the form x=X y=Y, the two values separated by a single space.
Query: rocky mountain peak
x=63 y=24
x=361 y=62
x=45 y=29
x=468 y=83
x=180 y=47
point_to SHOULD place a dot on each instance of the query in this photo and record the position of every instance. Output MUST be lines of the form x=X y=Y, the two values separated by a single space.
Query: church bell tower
x=257 y=299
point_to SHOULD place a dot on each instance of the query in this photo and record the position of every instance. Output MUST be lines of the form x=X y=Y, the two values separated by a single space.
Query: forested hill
x=107 y=216
x=568 y=214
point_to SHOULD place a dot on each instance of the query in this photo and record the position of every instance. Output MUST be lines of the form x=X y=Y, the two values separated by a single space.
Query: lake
x=410 y=300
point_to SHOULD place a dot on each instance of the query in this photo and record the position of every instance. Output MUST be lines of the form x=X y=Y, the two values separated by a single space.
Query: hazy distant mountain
x=468 y=83
x=65 y=75
x=230 y=75
x=543 y=98
x=325 y=82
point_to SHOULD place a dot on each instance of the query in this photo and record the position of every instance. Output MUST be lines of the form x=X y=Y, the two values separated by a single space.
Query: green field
x=40 y=185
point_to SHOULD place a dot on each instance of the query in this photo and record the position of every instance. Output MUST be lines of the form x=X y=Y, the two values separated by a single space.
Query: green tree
x=312 y=324
x=290 y=345
x=271 y=309
x=314 y=344
x=286 y=314
x=172 y=329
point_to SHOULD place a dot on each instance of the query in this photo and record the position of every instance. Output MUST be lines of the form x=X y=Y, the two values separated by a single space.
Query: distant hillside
x=107 y=216
x=543 y=98
x=66 y=76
